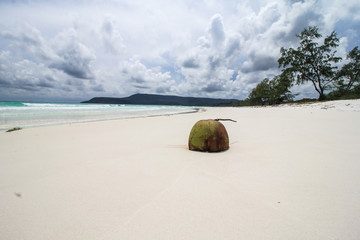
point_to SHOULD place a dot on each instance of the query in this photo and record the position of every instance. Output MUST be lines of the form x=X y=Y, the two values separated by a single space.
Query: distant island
x=153 y=99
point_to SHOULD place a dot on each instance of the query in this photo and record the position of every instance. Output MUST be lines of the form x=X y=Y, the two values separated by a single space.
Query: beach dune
x=291 y=172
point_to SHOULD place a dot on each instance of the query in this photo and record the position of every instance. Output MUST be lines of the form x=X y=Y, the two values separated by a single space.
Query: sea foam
x=25 y=114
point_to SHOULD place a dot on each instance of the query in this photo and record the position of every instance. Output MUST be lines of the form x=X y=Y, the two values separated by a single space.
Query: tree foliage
x=350 y=72
x=348 y=78
x=275 y=91
x=312 y=62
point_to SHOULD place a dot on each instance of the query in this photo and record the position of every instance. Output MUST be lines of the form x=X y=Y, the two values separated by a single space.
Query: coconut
x=208 y=136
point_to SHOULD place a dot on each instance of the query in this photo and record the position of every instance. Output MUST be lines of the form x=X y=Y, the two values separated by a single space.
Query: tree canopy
x=315 y=62
x=351 y=70
x=275 y=91
x=312 y=62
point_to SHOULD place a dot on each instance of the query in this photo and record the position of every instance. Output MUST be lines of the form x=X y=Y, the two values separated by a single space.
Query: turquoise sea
x=26 y=114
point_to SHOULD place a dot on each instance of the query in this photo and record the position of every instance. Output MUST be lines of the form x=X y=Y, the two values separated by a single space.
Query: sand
x=292 y=172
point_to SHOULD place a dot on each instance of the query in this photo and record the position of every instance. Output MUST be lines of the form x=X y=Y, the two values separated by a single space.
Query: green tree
x=275 y=91
x=312 y=62
x=351 y=70
x=260 y=94
x=280 y=88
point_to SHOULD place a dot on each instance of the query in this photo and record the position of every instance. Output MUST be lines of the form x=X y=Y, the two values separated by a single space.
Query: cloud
x=122 y=47
x=136 y=76
x=301 y=15
x=208 y=67
x=64 y=53
x=74 y=58
x=98 y=88
x=232 y=46
x=216 y=30
x=27 y=39
x=23 y=75
x=213 y=87
x=190 y=63
x=26 y=79
x=111 y=37
x=258 y=62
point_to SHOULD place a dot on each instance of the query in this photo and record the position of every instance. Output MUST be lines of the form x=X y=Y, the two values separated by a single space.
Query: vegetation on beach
x=14 y=129
x=310 y=62
x=274 y=91
x=348 y=84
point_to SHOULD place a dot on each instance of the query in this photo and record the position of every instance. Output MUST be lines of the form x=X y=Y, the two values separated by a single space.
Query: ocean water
x=25 y=114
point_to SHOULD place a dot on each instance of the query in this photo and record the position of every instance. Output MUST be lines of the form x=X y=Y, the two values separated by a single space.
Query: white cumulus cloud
x=80 y=49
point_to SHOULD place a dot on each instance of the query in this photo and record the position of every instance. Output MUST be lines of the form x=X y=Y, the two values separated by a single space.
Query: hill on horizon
x=154 y=99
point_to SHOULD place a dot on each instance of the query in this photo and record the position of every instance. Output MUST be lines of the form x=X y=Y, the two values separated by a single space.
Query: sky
x=70 y=51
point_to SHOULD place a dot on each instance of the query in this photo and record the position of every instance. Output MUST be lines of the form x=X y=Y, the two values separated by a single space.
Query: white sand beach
x=292 y=172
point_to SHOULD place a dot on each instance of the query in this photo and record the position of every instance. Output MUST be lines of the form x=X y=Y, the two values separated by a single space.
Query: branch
x=224 y=119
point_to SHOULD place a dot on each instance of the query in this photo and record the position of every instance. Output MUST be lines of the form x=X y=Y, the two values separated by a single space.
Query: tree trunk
x=322 y=96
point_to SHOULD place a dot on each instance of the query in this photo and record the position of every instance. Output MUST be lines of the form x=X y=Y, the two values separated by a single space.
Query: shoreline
x=345 y=105
x=191 y=110
x=290 y=173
